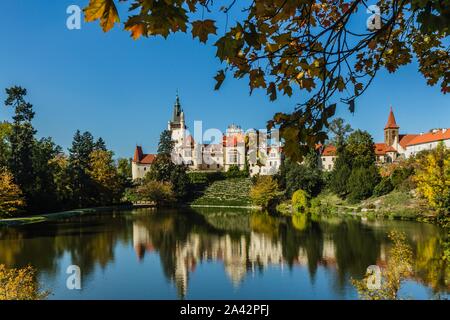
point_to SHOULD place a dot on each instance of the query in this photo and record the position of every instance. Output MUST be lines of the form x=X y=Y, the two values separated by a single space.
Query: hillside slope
x=229 y=192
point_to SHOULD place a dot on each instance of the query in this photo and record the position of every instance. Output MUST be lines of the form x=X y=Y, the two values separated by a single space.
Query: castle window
x=233 y=156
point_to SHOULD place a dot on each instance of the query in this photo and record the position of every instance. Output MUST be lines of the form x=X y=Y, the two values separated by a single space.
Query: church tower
x=177 y=124
x=391 y=131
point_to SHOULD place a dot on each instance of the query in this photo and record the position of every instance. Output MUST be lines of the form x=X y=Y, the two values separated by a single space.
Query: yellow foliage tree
x=398 y=269
x=104 y=173
x=11 y=197
x=264 y=192
x=20 y=284
x=433 y=178
x=300 y=201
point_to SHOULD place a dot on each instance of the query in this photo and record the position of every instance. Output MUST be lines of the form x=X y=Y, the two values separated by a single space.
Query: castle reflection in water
x=240 y=255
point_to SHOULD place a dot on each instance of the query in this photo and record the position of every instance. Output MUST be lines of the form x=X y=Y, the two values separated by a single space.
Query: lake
x=215 y=253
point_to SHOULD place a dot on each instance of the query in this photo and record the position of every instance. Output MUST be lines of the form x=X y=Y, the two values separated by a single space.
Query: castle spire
x=177 y=110
x=391 y=123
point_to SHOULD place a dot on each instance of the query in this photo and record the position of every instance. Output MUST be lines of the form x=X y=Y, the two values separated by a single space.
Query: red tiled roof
x=189 y=141
x=233 y=140
x=391 y=124
x=329 y=151
x=138 y=155
x=141 y=158
x=382 y=148
x=405 y=139
x=437 y=135
x=148 y=158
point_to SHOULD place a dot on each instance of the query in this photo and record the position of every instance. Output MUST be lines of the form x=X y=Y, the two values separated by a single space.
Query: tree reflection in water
x=244 y=242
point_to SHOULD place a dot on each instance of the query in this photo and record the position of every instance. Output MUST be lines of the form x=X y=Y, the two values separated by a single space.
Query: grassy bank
x=232 y=192
x=400 y=205
x=56 y=216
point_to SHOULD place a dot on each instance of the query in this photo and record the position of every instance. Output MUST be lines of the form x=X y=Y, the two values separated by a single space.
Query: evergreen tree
x=340 y=174
x=362 y=182
x=163 y=169
x=79 y=165
x=166 y=143
x=44 y=195
x=21 y=139
x=100 y=145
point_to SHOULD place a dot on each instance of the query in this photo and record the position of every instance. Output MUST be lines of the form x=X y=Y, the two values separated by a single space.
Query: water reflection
x=243 y=242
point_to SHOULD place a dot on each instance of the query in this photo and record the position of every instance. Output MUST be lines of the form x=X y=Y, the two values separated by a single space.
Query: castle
x=258 y=150
x=261 y=151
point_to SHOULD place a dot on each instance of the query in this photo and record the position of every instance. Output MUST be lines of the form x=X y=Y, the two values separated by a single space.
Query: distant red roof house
x=405 y=139
x=435 y=135
x=329 y=151
x=382 y=148
x=141 y=158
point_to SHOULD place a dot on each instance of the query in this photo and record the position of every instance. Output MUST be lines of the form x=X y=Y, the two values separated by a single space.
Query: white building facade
x=231 y=149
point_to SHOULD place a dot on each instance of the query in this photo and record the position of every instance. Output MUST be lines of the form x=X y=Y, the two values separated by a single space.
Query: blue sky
x=123 y=90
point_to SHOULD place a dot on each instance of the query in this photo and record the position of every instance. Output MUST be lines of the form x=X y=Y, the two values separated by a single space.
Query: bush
x=300 y=201
x=362 y=182
x=20 y=284
x=265 y=192
x=160 y=193
x=180 y=182
x=400 y=176
x=294 y=176
x=384 y=187
x=204 y=178
x=235 y=172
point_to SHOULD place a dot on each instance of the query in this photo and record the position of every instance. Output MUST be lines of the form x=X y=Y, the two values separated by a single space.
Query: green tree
x=362 y=182
x=62 y=180
x=340 y=131
x=361 y=149
x=21 y=139
x=294 y=176
x=100 y=144
x=163 y=169
x=166 y=144
x=341 y=173
x=314 y=46
x=265 y=192
x=79 y=164
x=180 y=182
x=124 y=168
x=384 y=187
x=44 y=192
